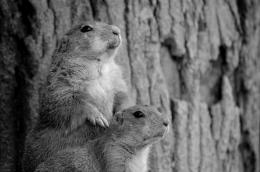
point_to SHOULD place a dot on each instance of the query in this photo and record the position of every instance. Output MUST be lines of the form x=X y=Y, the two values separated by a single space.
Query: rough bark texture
x=196 y=59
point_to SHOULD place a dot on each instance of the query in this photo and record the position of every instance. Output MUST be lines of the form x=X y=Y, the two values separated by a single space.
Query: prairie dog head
x=140 y=126
x=92 y=41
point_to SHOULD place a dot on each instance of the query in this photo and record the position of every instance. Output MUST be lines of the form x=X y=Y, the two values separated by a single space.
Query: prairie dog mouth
x=115 y=42
x=156 y=137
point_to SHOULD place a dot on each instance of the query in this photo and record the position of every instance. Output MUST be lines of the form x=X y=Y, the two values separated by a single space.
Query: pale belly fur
x=140 y=161
x=103 y=87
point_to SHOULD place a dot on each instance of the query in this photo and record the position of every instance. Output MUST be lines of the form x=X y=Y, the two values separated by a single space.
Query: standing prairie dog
x=84 y=88
x=85 y=83
x=123 y=147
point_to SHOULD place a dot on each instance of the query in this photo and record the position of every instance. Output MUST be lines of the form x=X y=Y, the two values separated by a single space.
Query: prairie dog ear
x=63 y=44
x=119 y=117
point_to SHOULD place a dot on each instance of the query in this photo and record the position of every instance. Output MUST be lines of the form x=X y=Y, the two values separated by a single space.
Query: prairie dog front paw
x=98 y=119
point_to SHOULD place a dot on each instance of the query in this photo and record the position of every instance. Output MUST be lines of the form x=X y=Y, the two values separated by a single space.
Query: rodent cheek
x=84 y=45
x=98 y=45
x=146 y=130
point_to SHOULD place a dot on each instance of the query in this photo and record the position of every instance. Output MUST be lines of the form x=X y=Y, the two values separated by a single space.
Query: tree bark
x=198 y=60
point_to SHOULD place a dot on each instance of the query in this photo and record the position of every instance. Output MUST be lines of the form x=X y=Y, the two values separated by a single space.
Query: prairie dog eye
x=86 y=28
x=138 y=114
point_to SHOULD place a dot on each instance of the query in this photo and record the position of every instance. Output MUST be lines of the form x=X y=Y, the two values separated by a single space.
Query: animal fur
x=84 y=88
x=124 y=147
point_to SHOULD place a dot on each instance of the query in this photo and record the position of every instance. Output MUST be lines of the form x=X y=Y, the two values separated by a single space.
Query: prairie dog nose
x=115 y=30
x=165 y=123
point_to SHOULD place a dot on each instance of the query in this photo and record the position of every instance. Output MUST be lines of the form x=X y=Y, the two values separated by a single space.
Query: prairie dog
x=123 y=147
x=84 y=81
x=84 y=88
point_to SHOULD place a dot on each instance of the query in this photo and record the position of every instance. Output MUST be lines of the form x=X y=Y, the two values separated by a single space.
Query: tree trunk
x=198 y=60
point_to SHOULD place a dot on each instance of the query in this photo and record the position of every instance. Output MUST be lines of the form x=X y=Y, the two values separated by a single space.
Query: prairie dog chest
x=140 y=161
x=105 y=83
x=109 y=73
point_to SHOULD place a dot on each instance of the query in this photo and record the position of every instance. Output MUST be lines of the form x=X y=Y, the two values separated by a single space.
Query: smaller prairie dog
x=124 y=146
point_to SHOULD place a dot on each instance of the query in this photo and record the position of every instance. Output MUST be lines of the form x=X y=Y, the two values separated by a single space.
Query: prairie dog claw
x=99 y=119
